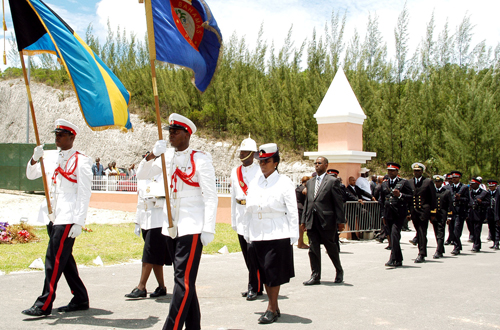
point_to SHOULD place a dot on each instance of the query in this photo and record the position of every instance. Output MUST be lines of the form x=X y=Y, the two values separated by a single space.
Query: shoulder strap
x=239 y=174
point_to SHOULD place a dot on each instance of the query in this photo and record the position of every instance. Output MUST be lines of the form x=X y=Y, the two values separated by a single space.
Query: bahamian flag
x=184 y=33
x=101 y=96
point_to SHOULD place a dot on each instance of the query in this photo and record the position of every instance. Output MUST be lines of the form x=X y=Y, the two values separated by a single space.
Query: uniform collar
x=66 y=153
x=187 y=151
x=270 y=179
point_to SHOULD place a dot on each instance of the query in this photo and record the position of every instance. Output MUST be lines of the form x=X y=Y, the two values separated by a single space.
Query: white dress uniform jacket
x=238 y=210
x=150 y=208
x=194 y=209
x=271 y=210
x=69 y=200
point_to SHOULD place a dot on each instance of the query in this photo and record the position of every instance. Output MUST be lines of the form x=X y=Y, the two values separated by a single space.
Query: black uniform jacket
x=393 y=208
x=424 y=199
x=478 y=202
x=327 y=204
x=461 y=204
x=490 y=213
x=444 y=204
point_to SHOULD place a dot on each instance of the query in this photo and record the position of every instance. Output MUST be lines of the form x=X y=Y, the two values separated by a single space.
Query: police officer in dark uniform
x=479 y=199
x=451 y=221
x=444 y=209
x=493 y=229
x=395 y=196
x=424 y=200
x=460 y=195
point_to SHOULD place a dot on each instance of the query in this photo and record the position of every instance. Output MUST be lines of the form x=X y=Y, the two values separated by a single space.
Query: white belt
x=66 y=190
x=268 y=215
x=186 y=193
x=146 y=204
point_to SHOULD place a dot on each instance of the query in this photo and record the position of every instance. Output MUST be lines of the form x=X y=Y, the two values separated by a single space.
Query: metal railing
x=362 y=217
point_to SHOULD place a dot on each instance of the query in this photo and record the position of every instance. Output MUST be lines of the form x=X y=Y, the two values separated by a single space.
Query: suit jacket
x=477 y=209
x=393 y=208
x=444 y=204
x=490 y=212
x=327 y=204
x=461 y=204
x=424 y=199
x=358 y=192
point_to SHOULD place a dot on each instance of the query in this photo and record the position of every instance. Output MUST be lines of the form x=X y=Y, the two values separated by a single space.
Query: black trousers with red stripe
x=59 y=260
x=254 y=282
x=184 y=307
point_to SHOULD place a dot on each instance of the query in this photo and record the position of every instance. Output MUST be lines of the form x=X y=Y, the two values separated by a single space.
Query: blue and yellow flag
x=102 y=97
x=185 y=33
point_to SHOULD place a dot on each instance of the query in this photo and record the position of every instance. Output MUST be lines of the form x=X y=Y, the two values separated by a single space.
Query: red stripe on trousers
x=258 y=280
x=186 y=279
x=56 y=268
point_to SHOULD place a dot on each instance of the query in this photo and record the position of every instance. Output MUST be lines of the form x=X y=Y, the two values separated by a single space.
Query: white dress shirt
x=271 y=209
x=194 y=209
x=238 y=210
x=69 y=200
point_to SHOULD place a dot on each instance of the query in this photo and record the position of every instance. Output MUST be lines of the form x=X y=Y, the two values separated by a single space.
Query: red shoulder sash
x=186 y=178
x=243 y=185
x=67 y=173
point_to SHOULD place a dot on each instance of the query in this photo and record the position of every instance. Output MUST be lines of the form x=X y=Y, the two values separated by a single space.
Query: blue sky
x=245 y=17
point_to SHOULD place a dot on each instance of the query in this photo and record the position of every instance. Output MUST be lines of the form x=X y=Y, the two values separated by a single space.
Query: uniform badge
x=148 y=190
x=188 y=22
x=261 y=153
x=242 y=184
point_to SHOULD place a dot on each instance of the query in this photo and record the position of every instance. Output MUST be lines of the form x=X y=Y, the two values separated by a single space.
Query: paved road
x=451 y=293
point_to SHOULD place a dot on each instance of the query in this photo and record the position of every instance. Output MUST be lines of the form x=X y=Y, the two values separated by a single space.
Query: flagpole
x=152 y=56
x=35 y=127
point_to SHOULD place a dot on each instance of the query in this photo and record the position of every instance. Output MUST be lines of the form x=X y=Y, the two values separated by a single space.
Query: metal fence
x=362 y=217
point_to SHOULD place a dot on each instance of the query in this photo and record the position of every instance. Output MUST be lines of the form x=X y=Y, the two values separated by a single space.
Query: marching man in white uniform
x=193 y=198
x=69 y=176
x=241 y=176
x=149 y=222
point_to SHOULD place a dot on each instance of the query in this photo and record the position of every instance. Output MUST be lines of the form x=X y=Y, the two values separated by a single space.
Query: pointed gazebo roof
x=340 y=104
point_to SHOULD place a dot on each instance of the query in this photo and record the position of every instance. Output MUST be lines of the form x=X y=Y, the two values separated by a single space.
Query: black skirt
x=155 y=247
x=275 y=261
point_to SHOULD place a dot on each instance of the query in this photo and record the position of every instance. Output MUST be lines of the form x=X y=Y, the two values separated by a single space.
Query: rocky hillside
x=110 y=145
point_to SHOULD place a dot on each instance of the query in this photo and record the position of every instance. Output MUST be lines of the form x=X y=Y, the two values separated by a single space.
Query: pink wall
x=340 y=136
x=346 y=170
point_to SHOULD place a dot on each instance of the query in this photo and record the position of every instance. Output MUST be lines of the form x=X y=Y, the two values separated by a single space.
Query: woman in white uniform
x=271 y=225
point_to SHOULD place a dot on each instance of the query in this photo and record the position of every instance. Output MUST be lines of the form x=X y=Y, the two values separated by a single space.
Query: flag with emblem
x=102 y=98
x=184 y=33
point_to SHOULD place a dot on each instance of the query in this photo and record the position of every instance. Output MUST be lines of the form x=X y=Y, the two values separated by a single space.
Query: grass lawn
x=113 y=243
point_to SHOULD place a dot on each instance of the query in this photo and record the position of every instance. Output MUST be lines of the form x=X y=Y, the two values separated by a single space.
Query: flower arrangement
x=13 y=234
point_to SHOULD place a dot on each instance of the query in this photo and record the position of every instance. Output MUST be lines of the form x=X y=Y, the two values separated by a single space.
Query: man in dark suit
x=493 y=229
x=479 y=199
x=323 y=214
x=439 y=216
x=394 y=199
x=424 y=201
x=357 y=191
x=460 y=195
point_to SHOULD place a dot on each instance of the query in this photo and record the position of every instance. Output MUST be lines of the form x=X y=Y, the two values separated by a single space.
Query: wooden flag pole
x=35 y=127
x=171 y=228
x=152 y=55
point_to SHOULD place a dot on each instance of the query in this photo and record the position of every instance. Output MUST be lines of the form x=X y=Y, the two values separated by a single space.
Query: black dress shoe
x=437 y=255
x=398 y=263
x=455 y=252
x=159 y=292
x=447 y=243
x=71 y=307
x=251 y=295
x=136 y=293
x=496 y=247
x=389 y=263
x=388 y=247
x=413 y=242
x=268 y=317
x=340 y=277
x=312 y=281
x=35 y=311
x=420 y=258
x=475 y=250
x=381 y=240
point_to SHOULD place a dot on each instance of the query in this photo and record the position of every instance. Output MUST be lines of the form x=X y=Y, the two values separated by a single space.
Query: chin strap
x=243 y=159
